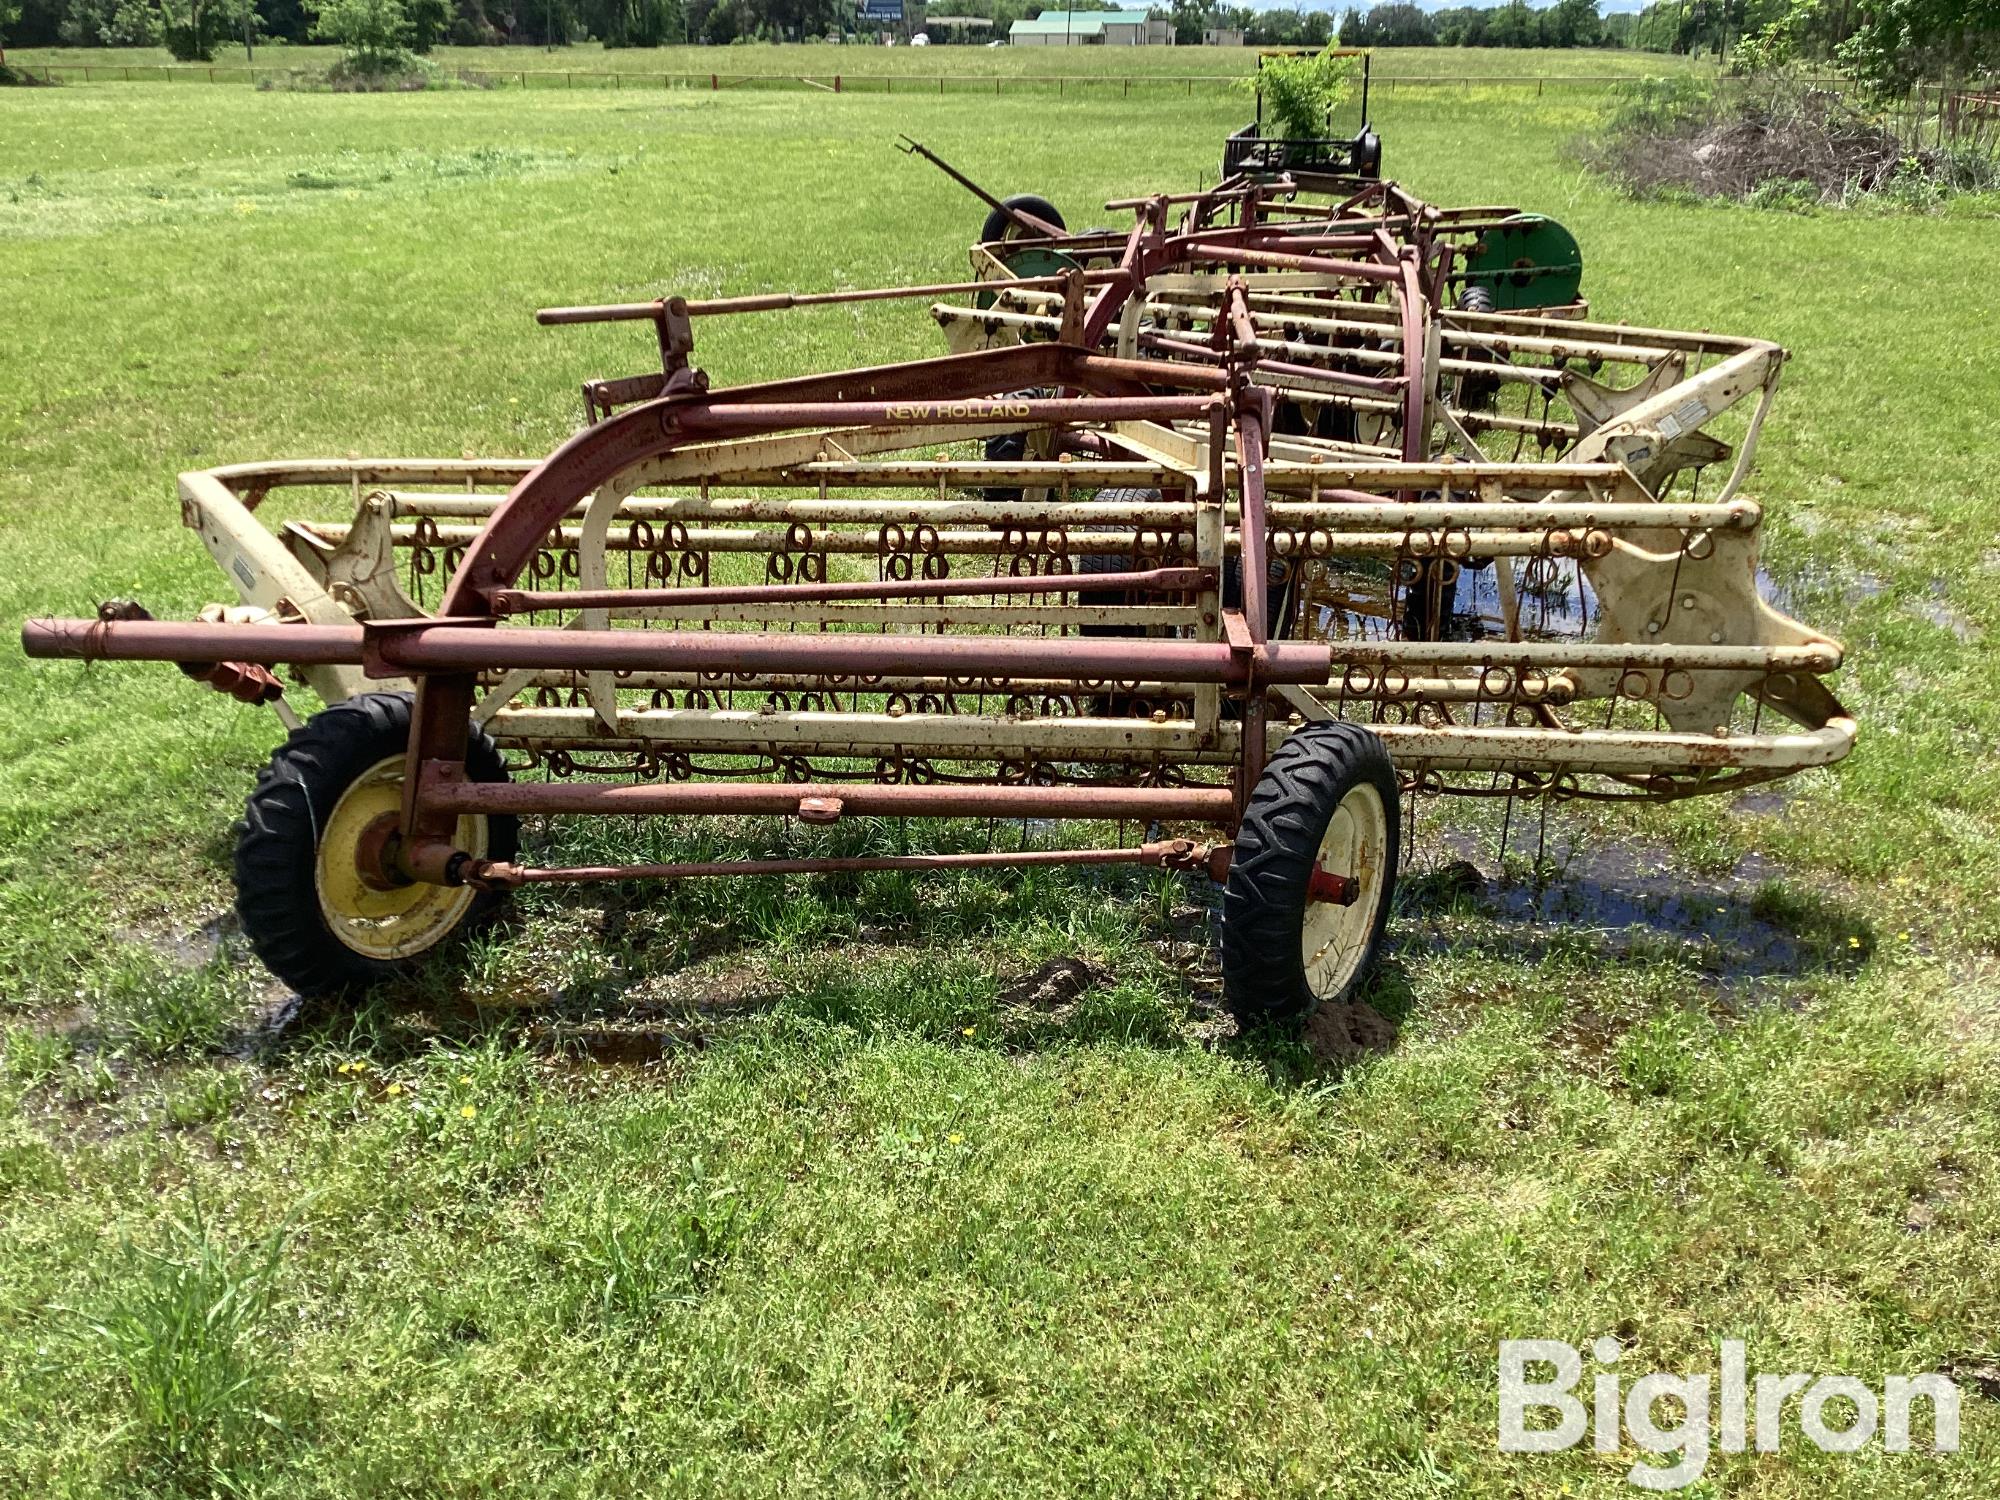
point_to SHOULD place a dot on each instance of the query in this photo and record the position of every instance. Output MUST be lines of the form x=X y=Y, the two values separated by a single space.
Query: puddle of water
x=1938 y=610
x=1555 y=600
x=1629 y=892
x=1811 y=581
x=1765 y=801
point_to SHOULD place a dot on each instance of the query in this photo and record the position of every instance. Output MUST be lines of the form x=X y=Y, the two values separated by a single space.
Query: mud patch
x=1339 y=1034
x=1053 y=989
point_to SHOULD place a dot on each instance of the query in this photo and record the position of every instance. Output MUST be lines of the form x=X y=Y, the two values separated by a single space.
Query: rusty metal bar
x=397 y=648
x=633 y=312
x=1165 y=854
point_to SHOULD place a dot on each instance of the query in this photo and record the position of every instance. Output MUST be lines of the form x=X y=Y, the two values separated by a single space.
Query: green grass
x=822 y=61
x=791 y=1186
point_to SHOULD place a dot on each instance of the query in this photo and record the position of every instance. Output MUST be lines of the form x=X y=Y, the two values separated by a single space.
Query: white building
x=1092 y=28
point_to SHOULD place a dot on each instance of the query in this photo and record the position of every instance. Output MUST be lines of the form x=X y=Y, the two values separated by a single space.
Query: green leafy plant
x=1302 y=92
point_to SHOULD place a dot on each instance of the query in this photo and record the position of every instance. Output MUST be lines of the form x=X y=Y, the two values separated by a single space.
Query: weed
x=641 y=1251
x=183 y=1334
x=205 y=1098
x=33 y=1054
x=145 y=1003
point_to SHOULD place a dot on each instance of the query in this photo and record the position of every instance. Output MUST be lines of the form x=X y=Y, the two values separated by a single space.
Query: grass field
x=793 y=1187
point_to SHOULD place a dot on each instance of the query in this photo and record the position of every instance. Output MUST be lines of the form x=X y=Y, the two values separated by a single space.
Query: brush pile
x=1777 y=141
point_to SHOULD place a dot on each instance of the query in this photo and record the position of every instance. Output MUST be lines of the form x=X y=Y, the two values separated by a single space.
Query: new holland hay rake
x=1229 y=524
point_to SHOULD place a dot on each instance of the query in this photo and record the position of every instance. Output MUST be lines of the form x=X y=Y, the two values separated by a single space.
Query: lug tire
x=997 y=224
x=1265 y=973
x=277 y=846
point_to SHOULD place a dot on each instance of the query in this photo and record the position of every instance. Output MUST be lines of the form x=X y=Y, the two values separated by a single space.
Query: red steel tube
x=174 y=640
x=436 y=648
x=1162 y=854
x=1213 y=805
x=730 y=419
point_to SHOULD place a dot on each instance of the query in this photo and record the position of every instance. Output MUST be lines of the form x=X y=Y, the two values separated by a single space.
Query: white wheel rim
x=1333 y=939
x=392 y=924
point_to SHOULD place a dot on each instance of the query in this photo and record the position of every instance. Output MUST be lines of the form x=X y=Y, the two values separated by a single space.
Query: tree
x=189 y=29
x=1888 y=44
x=1571 y=23
x=10 y=12
x=375 y=34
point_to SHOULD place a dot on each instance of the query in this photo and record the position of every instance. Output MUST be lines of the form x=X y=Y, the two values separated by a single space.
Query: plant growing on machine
x=1302 y=91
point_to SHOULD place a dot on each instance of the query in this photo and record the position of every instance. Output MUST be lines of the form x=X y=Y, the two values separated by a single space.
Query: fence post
x=713 y=83
x=836 y=83
x=211 y=75
x=617 y=80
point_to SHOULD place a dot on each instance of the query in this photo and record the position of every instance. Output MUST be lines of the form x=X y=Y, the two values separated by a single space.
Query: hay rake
x=1239 y=525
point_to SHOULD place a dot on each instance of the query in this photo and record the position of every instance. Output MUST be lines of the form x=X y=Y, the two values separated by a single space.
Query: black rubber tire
x=1111 y=562
x=1007 y=448
x=1264 y=902
x=997 y=224
x=278 y=841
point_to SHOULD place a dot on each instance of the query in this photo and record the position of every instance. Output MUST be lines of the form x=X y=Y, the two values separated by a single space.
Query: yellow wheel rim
x=1333 y=940
x=392 y=924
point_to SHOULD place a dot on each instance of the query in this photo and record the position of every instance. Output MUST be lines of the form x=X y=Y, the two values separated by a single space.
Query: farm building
x=1222 y=36
x=1092 y=28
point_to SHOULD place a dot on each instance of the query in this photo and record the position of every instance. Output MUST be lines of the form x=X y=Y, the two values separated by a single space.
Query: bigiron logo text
x=1836 y=1413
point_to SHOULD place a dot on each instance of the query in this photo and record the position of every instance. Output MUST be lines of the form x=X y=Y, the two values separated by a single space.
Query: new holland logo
x=956 y=411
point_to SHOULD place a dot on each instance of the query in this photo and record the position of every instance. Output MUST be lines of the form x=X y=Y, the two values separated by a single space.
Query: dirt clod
x=1055 y=984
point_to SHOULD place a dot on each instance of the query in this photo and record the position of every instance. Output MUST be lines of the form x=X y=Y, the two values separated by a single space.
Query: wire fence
x=1091 y=85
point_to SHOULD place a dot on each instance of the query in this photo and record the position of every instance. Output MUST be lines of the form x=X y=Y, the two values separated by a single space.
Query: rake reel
x=1233 y=526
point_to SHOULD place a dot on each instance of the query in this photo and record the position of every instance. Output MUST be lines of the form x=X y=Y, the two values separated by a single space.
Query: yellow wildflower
x=467 y=1112
x=956 y=1139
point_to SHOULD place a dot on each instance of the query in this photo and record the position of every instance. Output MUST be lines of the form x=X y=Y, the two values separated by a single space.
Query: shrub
x=374 y=35
x=1302 y=92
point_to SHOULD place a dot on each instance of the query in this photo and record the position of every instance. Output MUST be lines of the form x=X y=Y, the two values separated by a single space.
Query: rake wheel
x=1315 y=865
x=314 y=918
